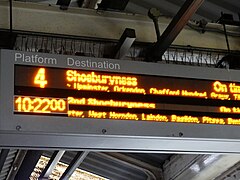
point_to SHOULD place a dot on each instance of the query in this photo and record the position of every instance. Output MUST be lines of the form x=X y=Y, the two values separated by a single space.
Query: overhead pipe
x=11 y=16
x=154 y=14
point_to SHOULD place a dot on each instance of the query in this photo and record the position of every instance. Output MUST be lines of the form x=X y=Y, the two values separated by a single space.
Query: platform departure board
x=79 y=93
x=85 y=103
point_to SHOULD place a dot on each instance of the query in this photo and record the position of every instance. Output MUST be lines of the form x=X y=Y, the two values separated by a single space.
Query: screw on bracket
x=18 y=128
x=180 y=134
x=104 y=131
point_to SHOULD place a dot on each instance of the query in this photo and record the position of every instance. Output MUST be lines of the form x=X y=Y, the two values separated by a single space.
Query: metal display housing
x=49 y=132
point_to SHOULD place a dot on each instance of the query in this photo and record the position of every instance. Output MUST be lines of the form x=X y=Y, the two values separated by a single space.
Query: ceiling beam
x=124 y=44
x=78 y=159
x=16 y=164
x=28 y=164
x=55 y=158
x=92 y=4
x=201 y=13
x=226 y=4
x=63 y=3
x=151 y=171
x=3 y=157
x=7 y=39
x=112 y=5
x=174 y=28
x=199 y=166
x=104 y=23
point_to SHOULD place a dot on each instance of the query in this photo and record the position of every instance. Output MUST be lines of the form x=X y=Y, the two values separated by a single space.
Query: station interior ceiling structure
x=191 y=32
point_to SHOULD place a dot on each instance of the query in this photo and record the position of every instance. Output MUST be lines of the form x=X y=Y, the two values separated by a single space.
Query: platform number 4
x=40 y=78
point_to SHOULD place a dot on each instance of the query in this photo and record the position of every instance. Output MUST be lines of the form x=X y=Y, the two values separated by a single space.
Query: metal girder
x=92 y=4
x=174 y=28
x=64 y=3
x=57 y=155
x=28 y=164
x=198 y=167
x=151 y=171
x=112 y=4
x=16 y=164
x=232 y=173
x=78 y=159
x=3 y=157
x=7 y=39
x=124 y=44
x=229 y=61
x=228 y=5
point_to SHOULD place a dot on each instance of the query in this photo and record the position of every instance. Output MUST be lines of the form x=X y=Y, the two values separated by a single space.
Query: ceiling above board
x=210 y=10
